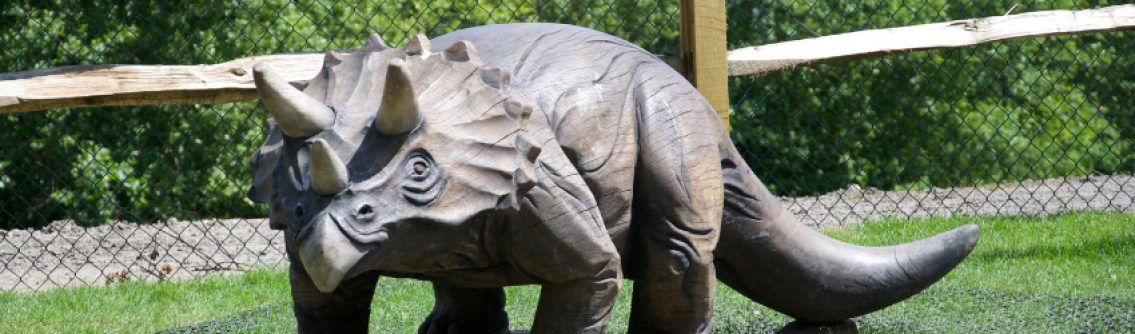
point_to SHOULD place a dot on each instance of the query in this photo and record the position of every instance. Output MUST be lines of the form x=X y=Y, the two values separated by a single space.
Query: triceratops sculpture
x=557 y=156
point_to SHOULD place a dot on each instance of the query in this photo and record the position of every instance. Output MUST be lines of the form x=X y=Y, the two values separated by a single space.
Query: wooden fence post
x=704 y=60
x=704 y=51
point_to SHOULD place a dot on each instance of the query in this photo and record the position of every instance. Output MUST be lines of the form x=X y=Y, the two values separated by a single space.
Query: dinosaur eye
x=422 y=176
x=419 y=168
x=366 y=210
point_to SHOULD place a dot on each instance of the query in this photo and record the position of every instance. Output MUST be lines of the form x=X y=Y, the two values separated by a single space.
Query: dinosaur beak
x=327 y=254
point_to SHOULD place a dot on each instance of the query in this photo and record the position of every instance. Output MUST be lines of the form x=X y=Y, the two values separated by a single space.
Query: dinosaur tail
x=767 y=255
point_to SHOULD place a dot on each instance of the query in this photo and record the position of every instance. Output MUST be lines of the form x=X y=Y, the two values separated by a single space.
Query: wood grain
x=120 y=85
x=133 y=85
x=704 y=50
x=757 y=60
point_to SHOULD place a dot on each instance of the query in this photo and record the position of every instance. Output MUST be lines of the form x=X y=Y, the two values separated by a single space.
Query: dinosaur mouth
x=377 y=234
x=328 y=255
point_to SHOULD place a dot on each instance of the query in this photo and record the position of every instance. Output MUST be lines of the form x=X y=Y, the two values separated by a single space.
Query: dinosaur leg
x=466 y=310
x=767 y=255
x=674 y=291
x=677 y=212
x=345 y=310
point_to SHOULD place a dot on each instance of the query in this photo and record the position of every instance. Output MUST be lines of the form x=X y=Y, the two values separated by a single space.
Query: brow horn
x=328 y=174
x=297 y=114
x=399 y=112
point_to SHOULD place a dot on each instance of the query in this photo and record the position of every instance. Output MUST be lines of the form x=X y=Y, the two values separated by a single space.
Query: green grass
x=1069 y=273
x=138 y=307
x=1074 y=254
x=1060 y=274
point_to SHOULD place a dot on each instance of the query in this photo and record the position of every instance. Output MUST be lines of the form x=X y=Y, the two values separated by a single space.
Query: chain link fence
x=1026 y=127
x=99 y=195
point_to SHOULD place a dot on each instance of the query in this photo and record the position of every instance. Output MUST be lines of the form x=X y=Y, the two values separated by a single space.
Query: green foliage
x=1002 y=112
x=148 y=164
x=137 y=164
x=994 y=113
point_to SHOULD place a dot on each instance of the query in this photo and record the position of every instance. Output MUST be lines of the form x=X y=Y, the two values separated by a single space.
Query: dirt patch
x=65 y=254
x=1038 y=198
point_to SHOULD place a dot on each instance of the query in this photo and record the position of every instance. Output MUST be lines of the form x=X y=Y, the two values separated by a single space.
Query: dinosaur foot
x=846 y=326
x=461 y=310
x=450 y=323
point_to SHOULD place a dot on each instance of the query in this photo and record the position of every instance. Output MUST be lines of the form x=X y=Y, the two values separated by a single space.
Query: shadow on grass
x=941 y=309
x=937 y=310
x=948 y=310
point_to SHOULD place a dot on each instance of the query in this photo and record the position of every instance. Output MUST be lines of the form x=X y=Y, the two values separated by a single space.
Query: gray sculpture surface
x=551 y=155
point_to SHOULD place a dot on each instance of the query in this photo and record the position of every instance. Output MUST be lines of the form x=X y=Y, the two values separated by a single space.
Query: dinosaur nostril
x=299 y=210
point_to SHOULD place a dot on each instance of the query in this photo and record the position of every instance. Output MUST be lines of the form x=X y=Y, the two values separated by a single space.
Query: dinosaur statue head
x=385 y=150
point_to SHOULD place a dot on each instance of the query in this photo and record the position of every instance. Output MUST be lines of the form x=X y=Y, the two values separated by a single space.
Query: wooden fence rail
x=757 y=60
x=706 y=63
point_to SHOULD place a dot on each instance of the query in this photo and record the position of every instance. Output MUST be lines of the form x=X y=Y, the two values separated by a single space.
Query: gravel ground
x=65 y=254
x=1115 y=193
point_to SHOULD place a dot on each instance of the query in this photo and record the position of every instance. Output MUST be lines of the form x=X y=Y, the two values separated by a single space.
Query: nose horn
x=399 y=112
x=297 y=114
x=328 y=174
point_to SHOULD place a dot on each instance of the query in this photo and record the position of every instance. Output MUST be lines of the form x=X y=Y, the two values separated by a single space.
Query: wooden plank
x=133 y=85
x=704 y=51
x=757 y=60
x=120 y=85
